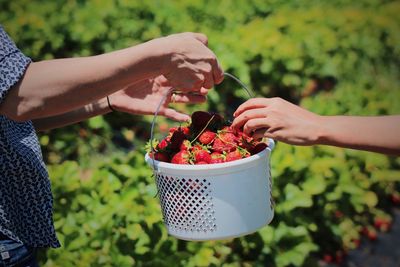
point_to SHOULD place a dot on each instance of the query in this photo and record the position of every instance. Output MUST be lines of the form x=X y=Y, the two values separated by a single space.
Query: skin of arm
x=374 y=133
x=283 y=121
x=141 y=98
x=55 y=87
x=100 y=107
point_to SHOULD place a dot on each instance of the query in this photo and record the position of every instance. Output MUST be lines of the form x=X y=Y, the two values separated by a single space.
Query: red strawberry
x=338 y=214
x=201 y=163
x=370 y=233
x=339 y=256
x=244 y=136
x=386 y=226
x=197 y=146
x=185 y=145
x=234 y=155
x=182 y=157
x=378 y=222
x=328 y=258
x=163 y=144
x=218 y=145
x=244 y=139
x=225 y=142
x=382 y=224
x=173 y=129
x=217 y=157
x=395 y=197
x=207 y=137
x=160 y=156
x=364 y=230
x=185 y=130
x=228 y=137
x=202 y=155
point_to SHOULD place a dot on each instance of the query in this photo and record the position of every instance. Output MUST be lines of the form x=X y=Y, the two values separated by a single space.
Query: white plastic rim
x=215 y=201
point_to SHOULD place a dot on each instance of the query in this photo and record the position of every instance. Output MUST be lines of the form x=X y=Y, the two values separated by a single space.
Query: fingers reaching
x=218 y=72
x=254 y=124
x=251 y=104
x=261 y=133
x=247 y=115
x=208 y=81
x=204 y=91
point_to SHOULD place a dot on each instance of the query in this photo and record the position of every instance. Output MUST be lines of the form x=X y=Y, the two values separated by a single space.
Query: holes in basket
x=186 y=203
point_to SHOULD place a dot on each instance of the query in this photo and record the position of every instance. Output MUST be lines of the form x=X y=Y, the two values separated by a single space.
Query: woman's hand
x=144 y=97
x=188 y=63
x=278 y=119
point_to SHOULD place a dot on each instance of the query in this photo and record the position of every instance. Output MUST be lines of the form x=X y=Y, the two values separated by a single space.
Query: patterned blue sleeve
x=12 y=64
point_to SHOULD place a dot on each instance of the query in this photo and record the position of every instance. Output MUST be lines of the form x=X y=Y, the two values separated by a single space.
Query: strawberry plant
x=332 y=57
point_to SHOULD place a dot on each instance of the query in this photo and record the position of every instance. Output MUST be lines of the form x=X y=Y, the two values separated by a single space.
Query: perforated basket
x=215 y=201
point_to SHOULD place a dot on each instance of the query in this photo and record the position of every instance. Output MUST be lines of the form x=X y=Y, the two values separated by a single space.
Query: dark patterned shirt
x=25 y=194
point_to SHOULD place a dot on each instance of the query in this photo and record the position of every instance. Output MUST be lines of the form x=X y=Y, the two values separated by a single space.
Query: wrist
x=101 y=106
x=322 y=131
x=130 y=65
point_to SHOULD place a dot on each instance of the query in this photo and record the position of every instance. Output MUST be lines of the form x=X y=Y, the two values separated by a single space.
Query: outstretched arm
x=283 y=121
x=374 y=133
x=58 y=86
x=141 y=98
x=99 y=107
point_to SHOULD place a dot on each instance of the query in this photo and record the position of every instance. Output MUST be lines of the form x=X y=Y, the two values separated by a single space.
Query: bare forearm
x=57 y=86
x=99 y=107
x=378 y=134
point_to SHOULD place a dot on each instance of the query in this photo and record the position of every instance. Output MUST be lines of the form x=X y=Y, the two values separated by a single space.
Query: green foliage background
x=332 y=57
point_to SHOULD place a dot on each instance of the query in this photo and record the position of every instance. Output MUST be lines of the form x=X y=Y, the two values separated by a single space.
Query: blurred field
x=332 y=57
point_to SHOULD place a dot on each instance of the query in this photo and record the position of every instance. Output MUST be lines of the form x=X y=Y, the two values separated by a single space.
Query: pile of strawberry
x=208 y=139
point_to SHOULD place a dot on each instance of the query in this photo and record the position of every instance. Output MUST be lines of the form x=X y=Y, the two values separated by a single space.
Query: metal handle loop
x=249 y=92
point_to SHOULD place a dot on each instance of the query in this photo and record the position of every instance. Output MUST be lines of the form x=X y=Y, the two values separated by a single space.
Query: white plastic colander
x=215 y=201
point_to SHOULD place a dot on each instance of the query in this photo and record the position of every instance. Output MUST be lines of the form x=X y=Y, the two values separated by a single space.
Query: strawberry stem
x=205 y=127
x=226 y=142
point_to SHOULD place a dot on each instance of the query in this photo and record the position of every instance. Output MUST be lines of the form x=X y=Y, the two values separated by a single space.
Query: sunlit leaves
x=106 y=212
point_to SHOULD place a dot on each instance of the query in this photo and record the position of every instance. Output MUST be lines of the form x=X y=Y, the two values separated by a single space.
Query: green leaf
x=314 y=185
x=385 y=176
x=370 y=199
x=295 y=198
x=96 y=122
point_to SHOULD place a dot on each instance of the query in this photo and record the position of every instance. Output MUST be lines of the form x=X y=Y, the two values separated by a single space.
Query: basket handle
x=249 y=92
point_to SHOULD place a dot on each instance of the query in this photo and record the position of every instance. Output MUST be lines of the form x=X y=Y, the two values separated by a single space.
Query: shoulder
x=13 y=63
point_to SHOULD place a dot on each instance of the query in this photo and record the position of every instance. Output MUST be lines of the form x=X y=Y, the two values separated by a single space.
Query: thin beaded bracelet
x=109 y=104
